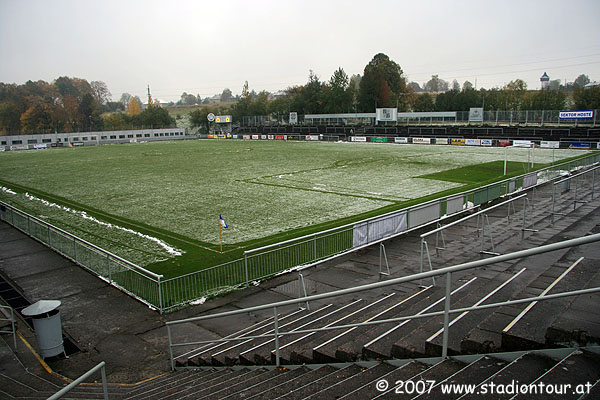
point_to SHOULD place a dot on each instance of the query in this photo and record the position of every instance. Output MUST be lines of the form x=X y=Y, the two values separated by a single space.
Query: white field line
x=533 y=303
x=171 y=250
x=493 y=292
x=419 y=313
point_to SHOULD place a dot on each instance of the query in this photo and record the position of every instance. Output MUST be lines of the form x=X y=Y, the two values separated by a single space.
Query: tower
x=545 y=79
x=149 y=97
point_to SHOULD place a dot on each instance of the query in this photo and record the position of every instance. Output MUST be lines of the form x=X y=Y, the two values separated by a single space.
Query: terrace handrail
x=83 y=241
x=441 y=228
x=12 y=320
x=76 y=382
x=395 y=281
x=577 y=175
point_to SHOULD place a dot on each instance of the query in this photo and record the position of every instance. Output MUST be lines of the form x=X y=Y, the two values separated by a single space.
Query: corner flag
x=222 y=221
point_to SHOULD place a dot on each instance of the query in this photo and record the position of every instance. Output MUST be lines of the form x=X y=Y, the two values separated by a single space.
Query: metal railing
x=78 y=381
x=447 y=272
x=13 y=331
x=257 y=264
x=134 y=280
x=564 y=185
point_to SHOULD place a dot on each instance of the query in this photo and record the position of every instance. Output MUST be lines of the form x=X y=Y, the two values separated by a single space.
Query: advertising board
x=580 y=145
x=376 y=139
x=473 y=142
x=522 y=143
x=359 y=138
x=457 y=142
x=441 y=141
x=549 y=144
x=576 y=114
x=418 y=140
x=400 y=140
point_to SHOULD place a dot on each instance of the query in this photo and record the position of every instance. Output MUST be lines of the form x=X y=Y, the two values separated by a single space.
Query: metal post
x=315 y=243
x=593 y=182
x=170 y=347
x=108 y=268
x=104 y=383
x=276 y=323
x=446 y=315
x=246 y=267
x=160 y=305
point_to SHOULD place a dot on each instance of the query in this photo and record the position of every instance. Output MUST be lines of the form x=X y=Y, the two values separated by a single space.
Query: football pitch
x=158 y=204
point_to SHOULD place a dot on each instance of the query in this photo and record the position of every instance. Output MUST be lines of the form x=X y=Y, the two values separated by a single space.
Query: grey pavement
x=108 y=325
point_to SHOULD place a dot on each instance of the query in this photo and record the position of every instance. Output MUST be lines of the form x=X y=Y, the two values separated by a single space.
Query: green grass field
x=146 y=202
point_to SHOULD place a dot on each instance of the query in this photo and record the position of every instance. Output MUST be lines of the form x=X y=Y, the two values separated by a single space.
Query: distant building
x=545 y=80
x=215 y=99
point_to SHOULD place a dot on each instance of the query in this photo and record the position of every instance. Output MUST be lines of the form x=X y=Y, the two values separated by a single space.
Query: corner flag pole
x=221 y=236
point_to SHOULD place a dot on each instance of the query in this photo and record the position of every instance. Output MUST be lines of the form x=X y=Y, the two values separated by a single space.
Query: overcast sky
x=202 y=47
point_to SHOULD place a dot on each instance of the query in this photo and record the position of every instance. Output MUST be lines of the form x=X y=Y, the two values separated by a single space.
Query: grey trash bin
x=47 y=325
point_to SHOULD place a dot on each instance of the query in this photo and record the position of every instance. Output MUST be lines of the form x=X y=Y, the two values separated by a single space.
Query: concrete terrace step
x=301 y=392
x=379 y=347
x=529 y=331
x=350 y=348
x=486 y=336
x=303 y=351
x=295 y=382
x=498 y=289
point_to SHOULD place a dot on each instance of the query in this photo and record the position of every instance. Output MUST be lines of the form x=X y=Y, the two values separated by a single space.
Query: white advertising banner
x=486 y=142
x=473 y=142
x=383 y=227
x=401 y=140
x=549 y=144
x=359 y=138
x=271 y=137
x=441 y=141
x=255 y=137
x=293 y=118
x=529 y=180
x=263 y=137
x=246 y=137
x=522 y=143
x=312 y=137
x=387 y=114
x=419 y=140
x=476 y=114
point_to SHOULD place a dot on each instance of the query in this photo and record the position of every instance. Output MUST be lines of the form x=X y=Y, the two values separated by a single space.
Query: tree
x=436 y=84
x=125 y=99
x=581 y=81
x=587 y=98
x=338 y=95
x=512 y=95
x=100 y=92
x=455 y=86
x=226 y=96
x=424 y=102
x=188 y=99
x=133 y=108
x=382 y=85
x=467 y=86
x=415 y=87
x=544 y=100
x=37 y=119
x=554 y=84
